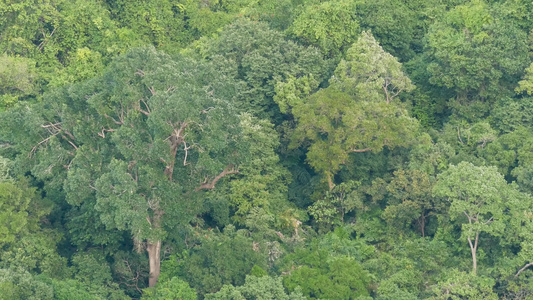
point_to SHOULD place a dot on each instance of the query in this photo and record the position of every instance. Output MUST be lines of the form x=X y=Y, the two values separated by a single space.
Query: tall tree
x=359 y=112
x=139 y=143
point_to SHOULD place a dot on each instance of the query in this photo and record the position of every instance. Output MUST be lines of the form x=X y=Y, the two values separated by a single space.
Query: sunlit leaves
x=331 y=26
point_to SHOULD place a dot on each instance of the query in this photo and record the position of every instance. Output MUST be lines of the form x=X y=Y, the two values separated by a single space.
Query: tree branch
x=139 y=72
x=360 y=150
x=144 y=112
x=102 y=133
x=211 y=185
x=114 y=120
x=523 y=269
x=459 y=136
x=386 y=93
x=185 y=148
x=176 y=139
x=71 y=143
x=40 y=143
x=45 y=38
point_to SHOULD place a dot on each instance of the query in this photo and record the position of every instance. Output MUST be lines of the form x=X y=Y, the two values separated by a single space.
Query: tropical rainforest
x=266 y=149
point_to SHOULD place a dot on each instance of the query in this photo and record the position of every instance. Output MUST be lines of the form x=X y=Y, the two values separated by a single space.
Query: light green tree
x=478 y=197
x=17 y=77
x=359 y=112
x=477 y=55
x=370 y=73
x=526 y=84
x=173 y=289
x=331 y=26
x=461 y=285
x=264 y=287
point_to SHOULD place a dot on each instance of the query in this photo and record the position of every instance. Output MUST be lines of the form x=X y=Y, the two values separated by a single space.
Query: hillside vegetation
x=277 y=149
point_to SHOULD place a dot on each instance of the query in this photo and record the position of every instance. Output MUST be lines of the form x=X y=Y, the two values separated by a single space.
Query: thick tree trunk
x=154 y=257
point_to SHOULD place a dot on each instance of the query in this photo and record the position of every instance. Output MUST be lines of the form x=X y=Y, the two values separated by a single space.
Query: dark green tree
x=139 y=144
x=259 y=58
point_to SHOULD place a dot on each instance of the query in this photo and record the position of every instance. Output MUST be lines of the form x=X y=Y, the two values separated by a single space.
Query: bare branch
x=211 y=185
x=360 y=150
x=146 y=105
x=176 y=139
x=69 y=135
x=145 y=112
x=52 y=128
x=69 y=164
x=71 y=143
x=387 y=94
x=523 y=269
x=186 y=152
x=52 y=125
x=468 y=216
x=114 y=120
x=102 y=133
x=459 y=136
x=40 y=143
x=204 y=111
x=45 y=38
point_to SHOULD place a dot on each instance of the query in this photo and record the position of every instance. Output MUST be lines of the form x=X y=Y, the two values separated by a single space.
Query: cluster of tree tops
x=241 y=149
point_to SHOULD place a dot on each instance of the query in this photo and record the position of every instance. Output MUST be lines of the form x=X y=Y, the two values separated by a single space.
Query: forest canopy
x=302 y=149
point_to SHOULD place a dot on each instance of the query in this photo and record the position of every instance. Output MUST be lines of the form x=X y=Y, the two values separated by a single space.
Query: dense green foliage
x=244 y=149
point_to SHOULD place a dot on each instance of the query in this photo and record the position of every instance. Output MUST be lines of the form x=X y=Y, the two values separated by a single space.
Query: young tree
x=412 y=199
x=324 y=276
x=478 y=197
x=461 y=285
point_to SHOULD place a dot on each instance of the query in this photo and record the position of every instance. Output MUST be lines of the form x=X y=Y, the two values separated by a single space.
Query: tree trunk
x=154 y=257
x=422 y=221
x=330 y=182
x=473 y=249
